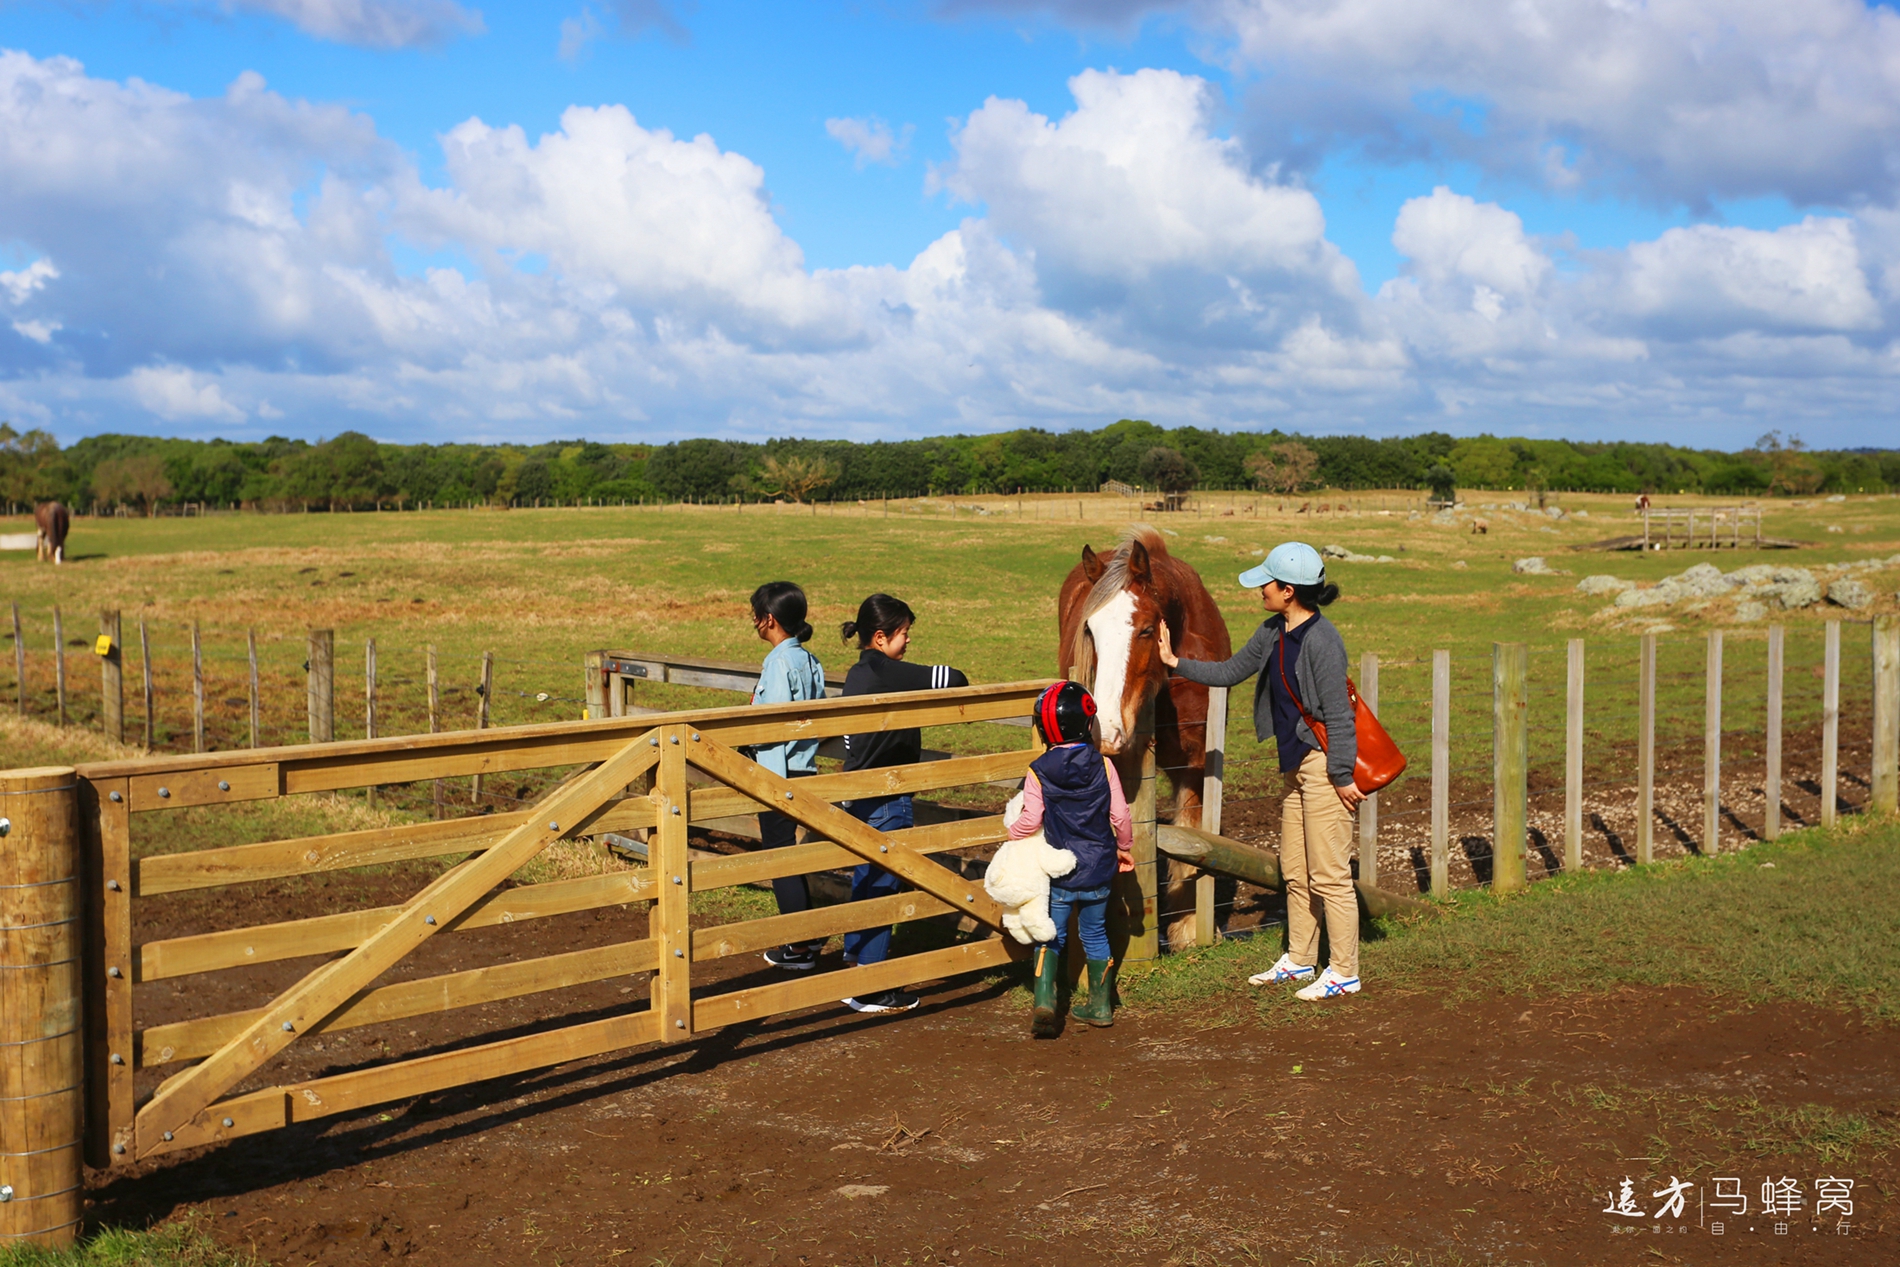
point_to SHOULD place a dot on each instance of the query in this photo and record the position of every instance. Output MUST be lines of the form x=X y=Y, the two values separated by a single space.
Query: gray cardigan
x=1319 y=675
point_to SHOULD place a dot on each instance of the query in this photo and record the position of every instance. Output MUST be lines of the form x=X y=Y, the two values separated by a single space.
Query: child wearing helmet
x=1073 y=795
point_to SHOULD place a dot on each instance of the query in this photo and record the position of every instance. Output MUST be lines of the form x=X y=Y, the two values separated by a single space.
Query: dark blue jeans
x=885 y=813
x=775 y=832
x=1091 y=918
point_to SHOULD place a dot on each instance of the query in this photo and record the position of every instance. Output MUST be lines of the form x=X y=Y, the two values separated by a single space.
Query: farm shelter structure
x=216 y=1083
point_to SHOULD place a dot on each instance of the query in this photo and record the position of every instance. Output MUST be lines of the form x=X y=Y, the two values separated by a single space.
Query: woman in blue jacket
x=790 y=673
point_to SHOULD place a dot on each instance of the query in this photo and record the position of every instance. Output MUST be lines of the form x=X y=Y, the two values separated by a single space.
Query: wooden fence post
x=671 y=994
x=1646 y=753
x=197 y=691
x=1712 y=747
x=257 y=704
x=594 y=663
x=482 y=693
x=59 y=664
x=1441 y=774
x=112 y=678
x=1206 y=923
x=1886 y=780
x=1771 y=779
x=321 y=679
x=19 y=659
x=1510 y=742
x=1137 y=895
x=1831 y=725
x=369 y=701
x=1369 y=808
x=1573 y=757
x=435 y=721
x=42 y=1114
x=145 y=672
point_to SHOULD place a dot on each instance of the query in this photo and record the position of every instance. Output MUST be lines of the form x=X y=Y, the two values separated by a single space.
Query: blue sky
x=1351 y=215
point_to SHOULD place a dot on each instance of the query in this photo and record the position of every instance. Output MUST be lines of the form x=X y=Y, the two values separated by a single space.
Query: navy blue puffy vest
x=1075 y=813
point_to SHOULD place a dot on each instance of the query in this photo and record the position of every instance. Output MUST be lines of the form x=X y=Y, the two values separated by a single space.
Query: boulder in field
x=1603 y=583
x=1850 y=594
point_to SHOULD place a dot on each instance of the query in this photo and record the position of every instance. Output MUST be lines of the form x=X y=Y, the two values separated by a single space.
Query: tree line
x=143 y=474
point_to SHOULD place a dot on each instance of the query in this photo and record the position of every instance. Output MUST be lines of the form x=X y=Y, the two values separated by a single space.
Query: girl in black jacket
x=883 y=633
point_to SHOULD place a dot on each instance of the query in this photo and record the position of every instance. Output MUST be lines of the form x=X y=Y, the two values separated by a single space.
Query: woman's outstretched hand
x=1350 y=794
x=1165 y=647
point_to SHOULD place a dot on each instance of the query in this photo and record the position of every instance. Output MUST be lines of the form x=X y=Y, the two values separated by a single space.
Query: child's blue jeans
x=885 y=813
x=1091 y=918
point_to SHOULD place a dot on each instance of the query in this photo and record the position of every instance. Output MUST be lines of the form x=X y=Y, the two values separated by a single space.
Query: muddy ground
x=1492 y=1129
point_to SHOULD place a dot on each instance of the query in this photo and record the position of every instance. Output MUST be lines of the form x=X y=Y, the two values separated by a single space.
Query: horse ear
x=1092 y=565
x=1138 y=565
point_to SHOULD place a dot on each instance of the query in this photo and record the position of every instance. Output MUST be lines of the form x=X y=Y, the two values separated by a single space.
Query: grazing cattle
x=1481 y=527
x=1110 y=610
x=52 y=521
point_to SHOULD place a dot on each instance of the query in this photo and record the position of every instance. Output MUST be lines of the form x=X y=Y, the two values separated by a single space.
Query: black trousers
x=776 y=831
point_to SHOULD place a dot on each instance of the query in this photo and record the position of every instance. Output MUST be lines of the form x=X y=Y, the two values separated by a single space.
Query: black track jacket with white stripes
x=877 y=674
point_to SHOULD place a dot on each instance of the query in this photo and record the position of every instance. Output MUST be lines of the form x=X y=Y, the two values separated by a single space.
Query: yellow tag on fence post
x=103 y=647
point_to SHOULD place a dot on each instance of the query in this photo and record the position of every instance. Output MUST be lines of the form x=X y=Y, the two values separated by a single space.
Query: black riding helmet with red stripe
x=1064 y=713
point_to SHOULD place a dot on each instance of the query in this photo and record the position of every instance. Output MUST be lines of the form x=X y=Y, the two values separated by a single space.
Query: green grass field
x=540 y=588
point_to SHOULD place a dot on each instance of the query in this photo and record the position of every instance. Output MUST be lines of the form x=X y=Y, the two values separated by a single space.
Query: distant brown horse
x=53 y=521
x=1110 y=610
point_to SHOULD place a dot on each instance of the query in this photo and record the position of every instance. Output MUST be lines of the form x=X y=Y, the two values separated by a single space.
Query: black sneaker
x=793 y=958
x=889 y=1001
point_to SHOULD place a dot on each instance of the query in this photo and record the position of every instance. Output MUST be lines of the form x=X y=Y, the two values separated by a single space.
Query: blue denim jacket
x=789 y=673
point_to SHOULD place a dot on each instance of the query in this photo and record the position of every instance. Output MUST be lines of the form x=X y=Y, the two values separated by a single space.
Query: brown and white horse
x=52 y=521
x=1110 y=610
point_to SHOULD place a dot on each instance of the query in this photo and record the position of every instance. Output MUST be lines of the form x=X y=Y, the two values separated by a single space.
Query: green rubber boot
x=1042 y=1021
x=1099 y=1011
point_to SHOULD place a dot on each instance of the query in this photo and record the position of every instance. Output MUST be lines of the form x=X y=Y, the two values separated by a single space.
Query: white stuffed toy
x=1018 y=878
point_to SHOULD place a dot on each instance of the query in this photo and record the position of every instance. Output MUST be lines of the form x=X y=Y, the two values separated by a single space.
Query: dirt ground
x=1490 y=1130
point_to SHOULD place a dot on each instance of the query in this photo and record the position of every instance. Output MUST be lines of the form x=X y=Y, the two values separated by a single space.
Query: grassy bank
x=1814 y=917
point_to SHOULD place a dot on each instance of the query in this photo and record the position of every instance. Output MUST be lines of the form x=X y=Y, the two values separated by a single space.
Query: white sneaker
x=1329 y=986
x=1282 y=972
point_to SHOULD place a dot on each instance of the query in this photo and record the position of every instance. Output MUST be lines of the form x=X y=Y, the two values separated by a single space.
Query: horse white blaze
x=1113 y=629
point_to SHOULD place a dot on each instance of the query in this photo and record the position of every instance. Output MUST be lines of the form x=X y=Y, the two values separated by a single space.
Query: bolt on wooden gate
x=214 y=1054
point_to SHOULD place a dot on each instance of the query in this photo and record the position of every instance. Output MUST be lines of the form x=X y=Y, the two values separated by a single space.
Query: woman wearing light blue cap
x=1301 y=660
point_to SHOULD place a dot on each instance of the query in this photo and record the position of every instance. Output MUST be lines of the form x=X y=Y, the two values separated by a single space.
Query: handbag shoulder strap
x=1319 y=732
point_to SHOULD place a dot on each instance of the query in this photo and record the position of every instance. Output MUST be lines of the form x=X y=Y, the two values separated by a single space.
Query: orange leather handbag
x=1379 y=760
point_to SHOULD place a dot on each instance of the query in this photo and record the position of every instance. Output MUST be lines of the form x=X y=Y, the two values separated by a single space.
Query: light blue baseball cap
x=1290 y=563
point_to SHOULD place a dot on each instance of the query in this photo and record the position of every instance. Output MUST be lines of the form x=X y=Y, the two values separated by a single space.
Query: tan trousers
x=1315 y=859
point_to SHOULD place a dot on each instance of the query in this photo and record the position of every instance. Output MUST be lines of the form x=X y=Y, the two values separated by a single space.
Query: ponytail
x=1315 y=596
x=878 y=614
x=784 y=602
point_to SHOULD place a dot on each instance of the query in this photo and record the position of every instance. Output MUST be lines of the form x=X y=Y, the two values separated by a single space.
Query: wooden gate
x=614 y=761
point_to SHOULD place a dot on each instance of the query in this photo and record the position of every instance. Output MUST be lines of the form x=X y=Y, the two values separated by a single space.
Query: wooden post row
x=1441 y=774
x=1831 y=724
x=482 y=693
x=321 y=670
x=1646 y=752
x=42 y=1081
x=1886 y=777
x=369 y=701
x=111 y=676
x=1573 y=757
x=1712 y=747
x=1206 y=920
x=1771 y=778
x=197 y=691
x=19 y=659
x=1369 y=808
x=59 y=664
x=257 y=704
x=1510 y=739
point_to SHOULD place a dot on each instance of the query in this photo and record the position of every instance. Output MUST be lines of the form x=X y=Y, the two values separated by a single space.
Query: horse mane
x=1114 y=580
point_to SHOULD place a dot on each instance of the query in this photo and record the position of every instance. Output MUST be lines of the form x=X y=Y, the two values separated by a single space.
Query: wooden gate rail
x=175 y=782
x=187 y=1110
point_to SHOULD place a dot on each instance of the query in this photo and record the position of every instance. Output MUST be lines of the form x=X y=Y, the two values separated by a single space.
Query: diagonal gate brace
x=840 y=827
x=561 y=813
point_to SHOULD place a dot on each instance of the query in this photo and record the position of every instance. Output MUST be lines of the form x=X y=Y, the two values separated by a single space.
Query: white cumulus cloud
x=373 y=23
x=870 y=140
x=178 y=395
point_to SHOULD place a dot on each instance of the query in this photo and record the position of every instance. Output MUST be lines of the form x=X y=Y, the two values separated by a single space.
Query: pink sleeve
x=1031 y=821
x=1119 y=818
